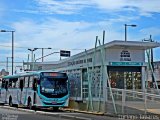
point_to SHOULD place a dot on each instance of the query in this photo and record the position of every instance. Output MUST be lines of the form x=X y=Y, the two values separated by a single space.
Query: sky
x=73 y=25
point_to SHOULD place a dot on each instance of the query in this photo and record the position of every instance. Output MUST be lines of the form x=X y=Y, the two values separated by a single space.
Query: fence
x=132 y=101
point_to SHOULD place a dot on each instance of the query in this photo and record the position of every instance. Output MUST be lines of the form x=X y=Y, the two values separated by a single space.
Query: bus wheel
x=1 y=104
x=29 y=104
x=10 y=102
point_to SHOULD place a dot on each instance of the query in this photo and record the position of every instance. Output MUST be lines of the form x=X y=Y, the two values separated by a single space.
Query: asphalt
x=65 y=114
x=72 y=114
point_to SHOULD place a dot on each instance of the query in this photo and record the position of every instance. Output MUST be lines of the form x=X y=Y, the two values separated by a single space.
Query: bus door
x=21 y=85
x=34 y=89
x=6 y=91
x=3 y=91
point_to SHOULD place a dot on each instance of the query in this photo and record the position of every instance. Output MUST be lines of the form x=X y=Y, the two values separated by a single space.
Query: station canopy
x=138 y=45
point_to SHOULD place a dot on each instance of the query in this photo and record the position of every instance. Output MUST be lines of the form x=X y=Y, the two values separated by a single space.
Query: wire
x=35 y=47
x=1 y=62
x=14 y=46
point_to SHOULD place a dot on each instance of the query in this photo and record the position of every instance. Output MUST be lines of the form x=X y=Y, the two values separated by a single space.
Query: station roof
x=116 y=44
x=139 y=45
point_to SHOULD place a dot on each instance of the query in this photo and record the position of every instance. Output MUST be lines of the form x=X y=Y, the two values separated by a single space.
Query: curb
x=86 y=112
x=93 y=113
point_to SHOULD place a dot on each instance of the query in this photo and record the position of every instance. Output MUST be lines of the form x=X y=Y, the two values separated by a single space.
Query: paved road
x=13 y=114
x=7 y=113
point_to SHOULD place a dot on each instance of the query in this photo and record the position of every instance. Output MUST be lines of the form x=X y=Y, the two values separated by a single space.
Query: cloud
x=145 y=8
x=59 y=34
x=143 y=5
x=154 y=31
x=2 y=10
x=62 y=7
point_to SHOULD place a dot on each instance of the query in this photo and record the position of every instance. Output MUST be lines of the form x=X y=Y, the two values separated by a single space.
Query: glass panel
x=120 y=80
x=26 y=82
x=51 y=85
x=84 y=83
x=137 y=80
x=31 y=81
x=129 y=81
x=74 y=77
x=112 y=78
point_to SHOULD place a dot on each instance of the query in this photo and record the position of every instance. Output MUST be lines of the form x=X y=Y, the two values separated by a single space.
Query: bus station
x=95 y=73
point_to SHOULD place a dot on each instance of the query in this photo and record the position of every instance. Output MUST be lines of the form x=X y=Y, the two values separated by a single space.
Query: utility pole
x=7 y=64
x=12 y=31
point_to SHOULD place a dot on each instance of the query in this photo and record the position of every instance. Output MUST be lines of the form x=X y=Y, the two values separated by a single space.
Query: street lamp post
x=43 y=51
x=12 y=45
x=7 y=63
x=32 y=56
x=126 y=30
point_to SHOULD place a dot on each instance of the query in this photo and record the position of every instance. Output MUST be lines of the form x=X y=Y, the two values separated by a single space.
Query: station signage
x=81 y=61
x=65 y=53
x=125 y=56
x=126 y=63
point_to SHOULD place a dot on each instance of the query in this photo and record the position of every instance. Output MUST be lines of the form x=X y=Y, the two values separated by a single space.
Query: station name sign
x=125 y=56
x=126 y=63
x=76 y=62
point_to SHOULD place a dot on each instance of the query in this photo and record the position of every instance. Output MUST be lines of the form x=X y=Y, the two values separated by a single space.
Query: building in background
x=3 y=72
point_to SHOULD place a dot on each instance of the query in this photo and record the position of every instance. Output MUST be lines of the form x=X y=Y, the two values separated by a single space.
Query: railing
x=133 y=101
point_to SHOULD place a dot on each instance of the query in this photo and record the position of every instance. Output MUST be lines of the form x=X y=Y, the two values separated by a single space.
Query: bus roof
x=27 y=73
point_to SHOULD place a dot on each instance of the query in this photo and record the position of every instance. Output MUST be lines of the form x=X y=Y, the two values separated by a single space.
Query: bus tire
x=29 y=105
x=1 y=104
x=10 y=101
x=16 y=105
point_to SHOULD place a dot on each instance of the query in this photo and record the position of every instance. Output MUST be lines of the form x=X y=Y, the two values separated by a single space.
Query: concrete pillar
x=143 y=77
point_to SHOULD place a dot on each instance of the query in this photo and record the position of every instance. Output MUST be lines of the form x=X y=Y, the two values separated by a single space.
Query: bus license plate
x=54 y=102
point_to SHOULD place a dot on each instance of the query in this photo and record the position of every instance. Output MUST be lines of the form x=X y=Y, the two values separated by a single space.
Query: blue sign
x=126 y=63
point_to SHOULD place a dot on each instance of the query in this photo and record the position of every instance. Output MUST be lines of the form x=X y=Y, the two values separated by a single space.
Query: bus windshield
x=53 y=86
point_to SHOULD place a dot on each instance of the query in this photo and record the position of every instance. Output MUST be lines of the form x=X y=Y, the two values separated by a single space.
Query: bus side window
x=3 y=83
x=17 y=83
x=10 y=83
x=21 y=84
x=6 y=85
x=14 y=83
x=30 y=81
x=26 y=82
x=35 y=84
